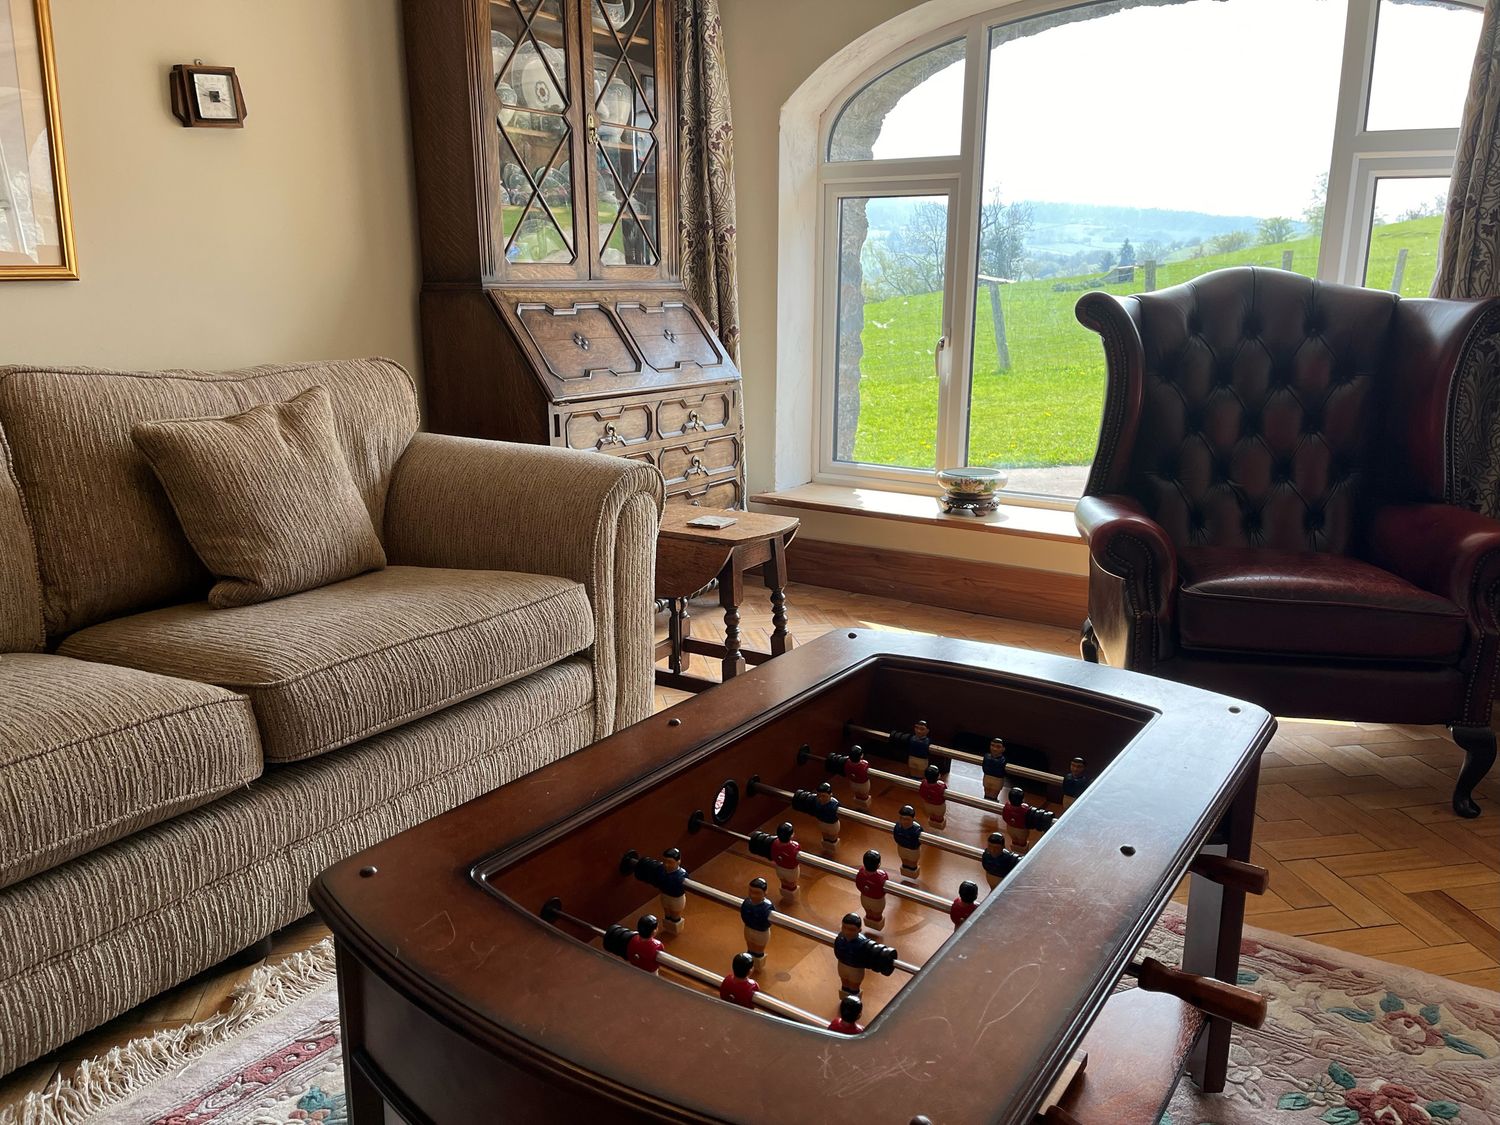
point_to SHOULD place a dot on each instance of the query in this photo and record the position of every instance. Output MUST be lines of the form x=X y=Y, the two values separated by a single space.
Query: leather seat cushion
x=1301 y=603
x=90 y=754
x=330 y=666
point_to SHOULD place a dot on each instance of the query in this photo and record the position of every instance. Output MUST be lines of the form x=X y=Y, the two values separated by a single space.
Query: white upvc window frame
x=1358 y=159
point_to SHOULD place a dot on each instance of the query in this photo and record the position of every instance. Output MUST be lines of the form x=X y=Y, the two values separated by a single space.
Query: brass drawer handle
x=582 y=341
x=610 y=437
x=696 y=466
x=692 y=422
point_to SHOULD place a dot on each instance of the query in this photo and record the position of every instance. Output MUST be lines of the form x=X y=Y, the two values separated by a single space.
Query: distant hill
x=1068 y=228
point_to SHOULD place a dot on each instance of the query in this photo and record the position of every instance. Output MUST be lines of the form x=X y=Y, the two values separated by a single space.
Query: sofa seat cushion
x=1306 y=604
x=330 y=666
x=91 y=753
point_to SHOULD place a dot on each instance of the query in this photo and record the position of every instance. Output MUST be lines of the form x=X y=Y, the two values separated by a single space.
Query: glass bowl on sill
x=971 y=490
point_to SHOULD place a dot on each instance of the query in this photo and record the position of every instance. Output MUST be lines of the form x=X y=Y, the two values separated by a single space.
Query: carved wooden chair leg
x=1088 y=644
x=1478 y=745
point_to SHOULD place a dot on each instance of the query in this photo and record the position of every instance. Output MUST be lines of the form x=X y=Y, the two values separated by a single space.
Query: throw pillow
x=265 y=498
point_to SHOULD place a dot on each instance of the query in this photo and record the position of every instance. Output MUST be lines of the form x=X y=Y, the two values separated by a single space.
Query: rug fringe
x=99 y=1083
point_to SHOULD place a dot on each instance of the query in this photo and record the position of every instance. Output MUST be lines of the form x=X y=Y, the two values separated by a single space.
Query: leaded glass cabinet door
x=537 y=216
x=628 y=119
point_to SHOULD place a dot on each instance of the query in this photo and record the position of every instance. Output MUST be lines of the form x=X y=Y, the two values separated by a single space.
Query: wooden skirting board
x=1019 y=593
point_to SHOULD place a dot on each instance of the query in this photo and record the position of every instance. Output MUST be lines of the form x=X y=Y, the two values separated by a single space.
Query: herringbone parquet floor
x=1354 y=825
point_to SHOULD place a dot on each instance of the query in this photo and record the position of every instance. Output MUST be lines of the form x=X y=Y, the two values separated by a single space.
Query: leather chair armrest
x=1126 y=542
x=1448 y=551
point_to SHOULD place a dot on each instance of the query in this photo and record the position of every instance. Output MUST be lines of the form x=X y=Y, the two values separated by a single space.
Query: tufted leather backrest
x=1257 y=408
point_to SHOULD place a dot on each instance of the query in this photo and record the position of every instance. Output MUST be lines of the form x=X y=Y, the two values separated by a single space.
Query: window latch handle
x=937 y=356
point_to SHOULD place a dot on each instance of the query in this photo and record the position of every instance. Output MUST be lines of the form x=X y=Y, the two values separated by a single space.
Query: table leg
x=679 y=629
x=774 y=573
x=731 y=593
x=1215 y=925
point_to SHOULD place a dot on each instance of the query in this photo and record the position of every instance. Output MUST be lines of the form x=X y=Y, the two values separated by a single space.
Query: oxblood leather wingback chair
x=1266 y=517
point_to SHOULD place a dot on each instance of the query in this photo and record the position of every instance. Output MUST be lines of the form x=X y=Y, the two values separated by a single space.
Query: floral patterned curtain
x=706 y=169
x=1469 y=257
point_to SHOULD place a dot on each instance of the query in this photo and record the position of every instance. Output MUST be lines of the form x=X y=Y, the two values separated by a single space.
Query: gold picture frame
x=36 y=223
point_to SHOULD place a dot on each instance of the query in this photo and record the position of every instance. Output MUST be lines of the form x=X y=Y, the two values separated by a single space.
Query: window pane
x=1140 y=202
x=1404 y=234
x=915 y=109
x=893 y=253
x=1424 y=52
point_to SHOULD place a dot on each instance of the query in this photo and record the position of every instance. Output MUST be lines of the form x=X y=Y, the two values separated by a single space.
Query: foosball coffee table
x=934 y=859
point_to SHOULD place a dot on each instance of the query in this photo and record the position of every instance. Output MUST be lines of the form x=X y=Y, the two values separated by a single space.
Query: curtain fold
x=706 y=169
x=1469 y=254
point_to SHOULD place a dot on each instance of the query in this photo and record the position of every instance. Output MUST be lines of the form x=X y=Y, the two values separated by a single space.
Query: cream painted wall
x=294 y=238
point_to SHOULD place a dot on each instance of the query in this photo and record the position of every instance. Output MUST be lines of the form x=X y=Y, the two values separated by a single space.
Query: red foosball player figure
x=643 y=949
x=997 y=861
x=1075 y=782
x=908 y=836
x=673 y=887
x=934 y=794
x=1020 y=818
x=847 y=1021
x=965 y=904
x=737 y=987
x=755 y=912
x=784 y=853
x=870 y=880
x=856 y=953
x=993 y=767
x=857 y=770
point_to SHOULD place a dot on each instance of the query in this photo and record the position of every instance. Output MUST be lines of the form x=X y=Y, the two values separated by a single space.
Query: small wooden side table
x=689 y=558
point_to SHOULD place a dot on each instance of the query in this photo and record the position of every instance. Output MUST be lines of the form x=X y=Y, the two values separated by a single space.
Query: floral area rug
x=1348 y=1041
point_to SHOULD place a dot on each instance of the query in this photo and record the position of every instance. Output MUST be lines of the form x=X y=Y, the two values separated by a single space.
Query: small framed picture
x=207 y=96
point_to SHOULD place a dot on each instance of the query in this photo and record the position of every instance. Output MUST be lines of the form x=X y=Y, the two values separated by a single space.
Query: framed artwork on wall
x=36 y=230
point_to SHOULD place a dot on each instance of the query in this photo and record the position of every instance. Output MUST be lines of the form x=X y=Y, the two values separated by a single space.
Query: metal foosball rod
x=552 y=911
x=786 y=922
x=806 y=755
x=698 y=821
x=1212 y=997
x=1040 y=776
x=942 y=843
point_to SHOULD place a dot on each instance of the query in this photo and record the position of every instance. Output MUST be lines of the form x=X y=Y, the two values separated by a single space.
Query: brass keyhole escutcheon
x=593 y=129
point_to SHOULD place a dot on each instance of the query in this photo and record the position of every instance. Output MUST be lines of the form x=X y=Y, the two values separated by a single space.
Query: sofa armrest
x=1128 y=543
x=489 y=505
x=1448 y=551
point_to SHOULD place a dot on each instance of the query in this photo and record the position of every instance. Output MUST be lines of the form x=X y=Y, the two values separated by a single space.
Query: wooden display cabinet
x=545 y=137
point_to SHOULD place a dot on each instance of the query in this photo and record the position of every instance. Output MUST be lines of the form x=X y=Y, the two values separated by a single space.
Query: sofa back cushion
x=20 y=586
x=107 y=540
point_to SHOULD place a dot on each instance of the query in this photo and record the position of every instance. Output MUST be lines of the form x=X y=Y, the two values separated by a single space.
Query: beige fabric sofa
x=173 y=776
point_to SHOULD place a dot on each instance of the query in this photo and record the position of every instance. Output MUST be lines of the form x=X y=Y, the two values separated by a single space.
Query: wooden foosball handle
x=1235 y=874
x=1212 y=997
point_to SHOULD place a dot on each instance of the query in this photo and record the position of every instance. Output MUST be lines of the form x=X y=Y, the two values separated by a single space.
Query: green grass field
x=1045 y=409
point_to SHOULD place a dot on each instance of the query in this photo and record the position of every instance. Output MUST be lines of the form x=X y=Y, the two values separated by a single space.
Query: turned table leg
x=679 y=629
x=731 y=593
x=775 y=575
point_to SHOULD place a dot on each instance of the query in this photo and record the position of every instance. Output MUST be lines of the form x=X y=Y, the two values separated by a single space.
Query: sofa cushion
x=20 y=586
x=107 y=540
x=265 y=498
x=1307 y=604
x=333 y=665
x=92 y=753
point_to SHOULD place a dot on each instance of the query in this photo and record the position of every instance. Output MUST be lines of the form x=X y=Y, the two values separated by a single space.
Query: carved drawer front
x=709 y=494
x=699 y=460
x=668 y=335
x=645 y=456
x=609 y=429
x=697 y=414
x=577 y=342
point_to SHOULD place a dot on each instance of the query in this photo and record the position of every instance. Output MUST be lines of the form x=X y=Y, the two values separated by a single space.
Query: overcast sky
x=1224 y=107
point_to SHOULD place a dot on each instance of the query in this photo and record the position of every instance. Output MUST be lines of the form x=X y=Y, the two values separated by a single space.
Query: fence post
x=1400 y=270
x=1150 y=268
x=1286 y=259
x=997 y=314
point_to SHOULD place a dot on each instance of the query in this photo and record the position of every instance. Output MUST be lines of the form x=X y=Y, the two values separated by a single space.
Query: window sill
x=1053 y=524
